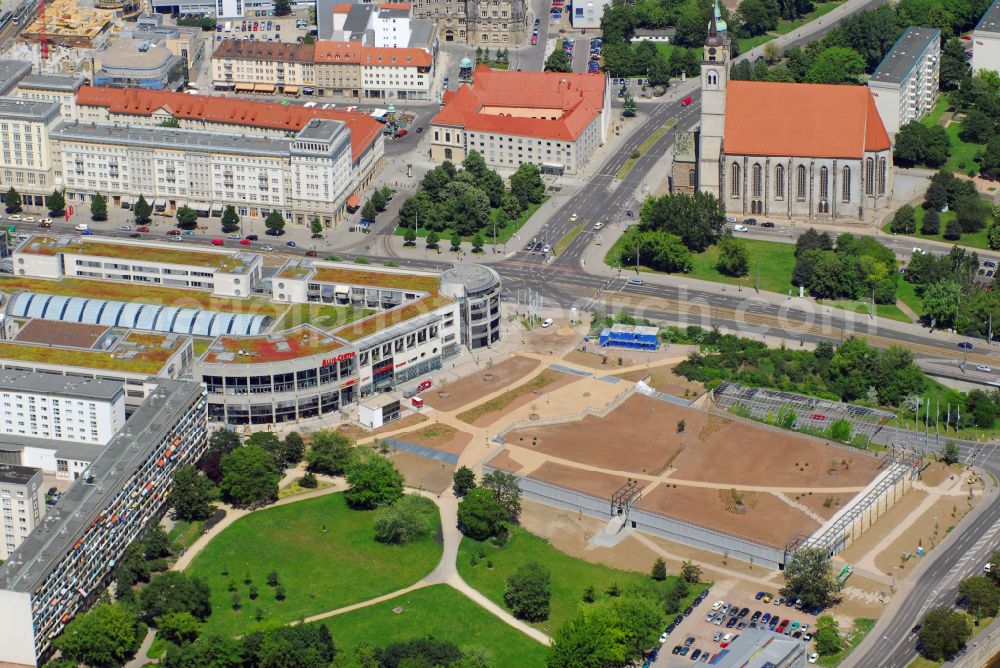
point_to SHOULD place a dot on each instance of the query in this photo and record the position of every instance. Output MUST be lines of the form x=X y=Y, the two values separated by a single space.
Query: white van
x=727 y=638
x=82 y=226
x=229 y=26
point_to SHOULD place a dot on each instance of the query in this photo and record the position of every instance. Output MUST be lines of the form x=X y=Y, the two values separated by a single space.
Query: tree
x=917 y=143
x=756 y=17
x=478 y=242
x=316 y=227
x=836 y=65
x=249 y=477
x=558 y=62
x=932 y=223
x=409 y=236
x=993 y=237
x=105 y=636
x=659 y=571
x=505 y=490
x=463 y=480
x=630 y=109
x=809 y=576
x=904 y=222
x=174 y=591
x=936 y=196
x=697 y=219
x=456 y=240
x=271 y=444
x=187 y=218
x=405 y=520
x=949 y=453
x=527 y=186
x=980 y=596
x=733 y=260
x=944 y=633
x=230 y=219
x=954 y=66
x=210 y=652
x=55 y=203
x=615 y=632
x=940 y=302
x=528 y=592
x=155 y=543
x=952 y=231
x=368 y=211
x=971 y=213
x=294 y=448
x=827 y=636
x=223 y=441
x=432 y=239
x=192 y=495
x=142 y=210
x=12 y=200
x=373 y=482
x=379 y=201
x=275 y=223
x=178 y=627
x=329 y=453
x=977 y=127
x=98 y=207
x=480 y=516
x=690 y=572
x=282 y=7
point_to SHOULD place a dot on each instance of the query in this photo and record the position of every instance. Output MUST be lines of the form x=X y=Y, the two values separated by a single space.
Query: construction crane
x=43 y=35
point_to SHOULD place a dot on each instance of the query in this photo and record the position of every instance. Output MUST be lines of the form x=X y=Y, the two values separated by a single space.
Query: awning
x=160 y=204
x=264 y=88
x=217 y=209
x=354 y=201
x=341 y=290
x=291 y=90
x=244 y=88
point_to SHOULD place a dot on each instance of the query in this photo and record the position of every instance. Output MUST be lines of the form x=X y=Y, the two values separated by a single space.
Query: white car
x=29 y=219
x=16 y=216
x=267 y=248
x=125 y=228
x=546 y=249
x=235 y=237
x=718 y=604
x=814 y=657
x=47 y=221
x=731 y=219
x=739 y=228
x=547 y=322
x=918 y=250
x=984 y=368
x=663 y=637
x=598 y=226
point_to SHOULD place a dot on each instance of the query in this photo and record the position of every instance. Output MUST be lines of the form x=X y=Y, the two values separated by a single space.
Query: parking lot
x=698 y=639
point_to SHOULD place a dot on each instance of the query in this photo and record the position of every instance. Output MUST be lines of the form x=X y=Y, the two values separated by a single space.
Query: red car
x=142 y=229
x=686 y=101
x=425 y=385
x=244 y=242
x=173 y=233
x=781 y=626
x=534 y=40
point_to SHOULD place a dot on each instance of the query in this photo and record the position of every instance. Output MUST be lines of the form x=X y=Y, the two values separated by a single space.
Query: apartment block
x=22 y=501
x=905 y=84
x=60 y=569
x=26 y=161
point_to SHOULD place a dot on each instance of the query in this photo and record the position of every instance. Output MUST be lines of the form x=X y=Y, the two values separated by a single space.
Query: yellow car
x=767 y=598
x=572 y=218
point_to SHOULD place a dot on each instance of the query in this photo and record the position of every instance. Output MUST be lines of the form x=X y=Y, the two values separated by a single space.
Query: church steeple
x=714 y=80
x=720 y=24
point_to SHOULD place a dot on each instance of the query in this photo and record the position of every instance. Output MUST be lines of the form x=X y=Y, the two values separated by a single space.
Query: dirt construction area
x=641 y=436
x=476 y=386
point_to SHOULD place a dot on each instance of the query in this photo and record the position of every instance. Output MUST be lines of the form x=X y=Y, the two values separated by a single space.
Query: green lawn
x=665 y=49
x=443 y=613
x=570 y=576
x=961 y=157
x=319 y=570
x=504 y=232
x=645 y=146
x=890 y=311
x=775 y=261
x=907 y=293
x=568 y=239
x=324 y=316
x=184 y=534
x=862 y=627
x=785 y=27
x=970 y=239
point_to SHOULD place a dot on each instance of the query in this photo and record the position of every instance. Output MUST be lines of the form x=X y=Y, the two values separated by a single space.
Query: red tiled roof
x=213 y=108
x=404 y=6
x=788 y=119
x=342 y=8
x=338 y=52
x=352 y=52
x=579 y=98
x=257 y=50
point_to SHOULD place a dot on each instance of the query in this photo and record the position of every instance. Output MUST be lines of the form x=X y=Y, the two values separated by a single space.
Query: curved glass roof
x=149 y=317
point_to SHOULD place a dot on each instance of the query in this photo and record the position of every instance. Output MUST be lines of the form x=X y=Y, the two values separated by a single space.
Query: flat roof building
x=986 y=40
x=11 y=72
x=760 y=648
x=23 y=503
x=905 y=84
x=60 y=569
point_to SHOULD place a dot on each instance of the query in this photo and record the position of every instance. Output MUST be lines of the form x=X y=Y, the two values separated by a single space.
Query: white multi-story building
x=25 y=154
x=22 y=502
x=60 y=408
x=588 y=13
x=905 y=84
x=986 y=40
x=309 y=175
x=61 y=88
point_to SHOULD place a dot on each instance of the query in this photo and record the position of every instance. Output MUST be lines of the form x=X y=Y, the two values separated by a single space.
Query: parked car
x=534 y=39
x=739 y=228
x=695 y=654
x=547 y=322
x=252 y=237
x=174 y=233
x=45 y=224
x=244 y=242
x=767 y=223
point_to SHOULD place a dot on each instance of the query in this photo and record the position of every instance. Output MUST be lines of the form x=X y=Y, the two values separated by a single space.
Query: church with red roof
x=788 y=150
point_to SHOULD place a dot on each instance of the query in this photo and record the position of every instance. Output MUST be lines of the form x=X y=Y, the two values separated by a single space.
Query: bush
x=406 y=520
x=528 y=592
x=480 y=515
x=374 y=482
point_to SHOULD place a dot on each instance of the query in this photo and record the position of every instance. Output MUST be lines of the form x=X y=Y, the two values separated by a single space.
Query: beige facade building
x=553 y=120
x=264 y=67
x=477 y=22
x=25 y=153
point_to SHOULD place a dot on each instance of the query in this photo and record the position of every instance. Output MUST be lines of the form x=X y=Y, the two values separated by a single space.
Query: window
x=881 y=176
x=845 y=184
x=712 y=78
x=779 y=182
x=758 y=180
x=801 y=182
x=734 y=175
x=824 y=177
x=869 y=177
